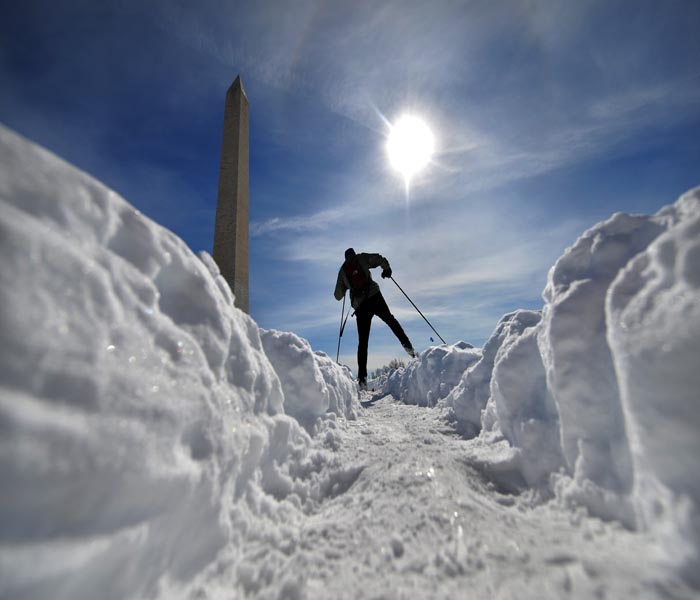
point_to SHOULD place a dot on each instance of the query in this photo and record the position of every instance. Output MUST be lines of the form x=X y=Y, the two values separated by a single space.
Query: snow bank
x=433 y=375
x=595 y=398
x=470 y=395
x=505 y=393
x=521 y=407
x=579 y=366
x=653 y=311
x=341 y=385
x=313 y=383
x=144 y=447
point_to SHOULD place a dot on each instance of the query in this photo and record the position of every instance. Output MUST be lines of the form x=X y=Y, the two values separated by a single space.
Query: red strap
x=355 y=275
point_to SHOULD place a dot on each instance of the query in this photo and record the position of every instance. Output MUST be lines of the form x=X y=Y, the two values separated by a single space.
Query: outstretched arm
x=377 y=260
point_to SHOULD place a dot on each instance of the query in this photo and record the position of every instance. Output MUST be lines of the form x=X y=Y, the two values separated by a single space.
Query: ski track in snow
x=420 y=522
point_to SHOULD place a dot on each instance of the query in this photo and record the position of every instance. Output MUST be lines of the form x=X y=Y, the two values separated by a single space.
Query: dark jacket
x=366 y=261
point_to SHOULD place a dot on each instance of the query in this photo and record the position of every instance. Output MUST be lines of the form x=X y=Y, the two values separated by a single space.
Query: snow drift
x=595 y=398
x=653 y=311
x=313 y=383
x=144 y=436
x=433 y=375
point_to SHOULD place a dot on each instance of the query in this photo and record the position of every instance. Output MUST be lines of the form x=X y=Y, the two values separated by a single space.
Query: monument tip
x=237 y=85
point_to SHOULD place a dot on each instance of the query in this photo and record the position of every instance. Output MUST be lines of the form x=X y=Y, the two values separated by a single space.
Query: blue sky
x=548 y=116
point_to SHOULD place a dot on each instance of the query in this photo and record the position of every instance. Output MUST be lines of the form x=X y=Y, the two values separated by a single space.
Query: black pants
x=374 y=305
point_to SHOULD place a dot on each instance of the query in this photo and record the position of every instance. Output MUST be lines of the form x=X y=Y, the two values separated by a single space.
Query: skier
x=367 y=300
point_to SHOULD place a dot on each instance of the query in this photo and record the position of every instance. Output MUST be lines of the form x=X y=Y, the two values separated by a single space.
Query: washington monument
x=231 y=229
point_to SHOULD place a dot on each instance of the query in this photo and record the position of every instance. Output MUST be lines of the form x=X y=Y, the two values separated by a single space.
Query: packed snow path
x=419 y=522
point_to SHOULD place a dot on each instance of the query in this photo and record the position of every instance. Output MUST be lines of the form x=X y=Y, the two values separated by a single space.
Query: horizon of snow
x=158 y=443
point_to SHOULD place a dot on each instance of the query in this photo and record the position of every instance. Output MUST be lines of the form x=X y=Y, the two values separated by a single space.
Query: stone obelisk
x=231 y=229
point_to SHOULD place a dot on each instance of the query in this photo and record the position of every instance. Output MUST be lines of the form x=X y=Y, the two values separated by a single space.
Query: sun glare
x=410 y=145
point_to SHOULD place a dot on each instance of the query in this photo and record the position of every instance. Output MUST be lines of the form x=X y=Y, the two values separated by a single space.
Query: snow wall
x=146 y=444
x=595 y=399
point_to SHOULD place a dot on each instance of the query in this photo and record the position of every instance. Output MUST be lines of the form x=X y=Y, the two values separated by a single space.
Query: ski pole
x=346 y=320
x=342 y=326
x=418 y=309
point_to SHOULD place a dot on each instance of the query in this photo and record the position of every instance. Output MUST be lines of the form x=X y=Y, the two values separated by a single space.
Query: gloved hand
x=386 y=273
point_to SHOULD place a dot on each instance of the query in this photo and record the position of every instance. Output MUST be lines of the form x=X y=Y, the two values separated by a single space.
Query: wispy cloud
x=318 y=221
x=515 y=92
x=514 y=89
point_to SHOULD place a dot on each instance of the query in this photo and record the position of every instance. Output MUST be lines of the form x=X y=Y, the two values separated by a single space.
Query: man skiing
x=367 y=300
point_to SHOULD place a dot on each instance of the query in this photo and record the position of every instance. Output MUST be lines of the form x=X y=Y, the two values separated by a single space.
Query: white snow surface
x=156 y=443
x=433 y=375
x=312 y=383
x=144 y=440
x=653 y=309
x=597 y=399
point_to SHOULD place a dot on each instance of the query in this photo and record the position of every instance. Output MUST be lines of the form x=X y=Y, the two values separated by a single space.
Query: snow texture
x=156 y=443
x=470 y=396
x=653 y=308
x=144 y=439
x=432 y=375
x=506 y=393
x=595 y=399
x=312 y=383
x=579 y=366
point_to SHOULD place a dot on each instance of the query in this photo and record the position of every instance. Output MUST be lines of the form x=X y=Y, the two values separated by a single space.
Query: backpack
x=356 y=275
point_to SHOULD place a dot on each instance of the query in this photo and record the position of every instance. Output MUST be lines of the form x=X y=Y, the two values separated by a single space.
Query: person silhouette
x=367 y=300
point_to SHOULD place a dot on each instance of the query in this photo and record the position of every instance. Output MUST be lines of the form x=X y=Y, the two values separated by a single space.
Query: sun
x=410 y=145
